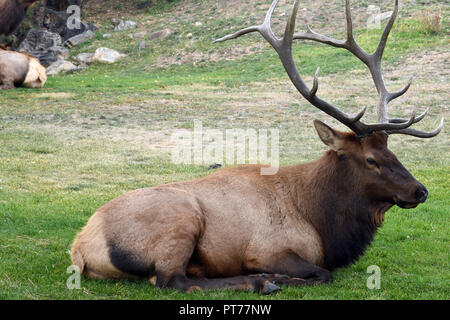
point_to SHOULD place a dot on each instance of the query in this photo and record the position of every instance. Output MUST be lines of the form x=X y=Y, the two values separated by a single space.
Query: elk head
x=364 y=151
x=376 y=169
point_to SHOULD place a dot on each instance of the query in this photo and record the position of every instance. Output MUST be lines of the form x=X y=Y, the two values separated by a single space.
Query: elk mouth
x=405 y=204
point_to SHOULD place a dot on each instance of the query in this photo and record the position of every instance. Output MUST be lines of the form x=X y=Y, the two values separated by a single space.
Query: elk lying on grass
x=12 y=13
x=20 y=70
x=241 y=230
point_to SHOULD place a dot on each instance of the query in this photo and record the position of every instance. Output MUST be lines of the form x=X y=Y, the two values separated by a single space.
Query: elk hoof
x=193 y=288
x=269 y=287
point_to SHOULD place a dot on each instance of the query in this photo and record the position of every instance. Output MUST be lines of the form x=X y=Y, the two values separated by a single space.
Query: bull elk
x=12 y=13
x=19 y=69
x=238 y=229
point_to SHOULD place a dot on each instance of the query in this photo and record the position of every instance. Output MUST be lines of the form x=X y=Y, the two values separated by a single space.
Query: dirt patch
x=55 y=95
x=202 y=58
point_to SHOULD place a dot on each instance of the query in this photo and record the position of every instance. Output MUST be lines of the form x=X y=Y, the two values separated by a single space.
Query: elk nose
x=421 y=194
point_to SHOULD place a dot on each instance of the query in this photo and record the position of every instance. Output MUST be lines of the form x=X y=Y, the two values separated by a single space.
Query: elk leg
x=6 y=81
x=239 y=283
x=290 y=269
x=7 y=85
x=285 y=280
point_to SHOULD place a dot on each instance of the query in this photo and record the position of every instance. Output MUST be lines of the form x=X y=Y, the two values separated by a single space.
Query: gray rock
x=44 y=45
x=138 y=35
x=39 y=39
x=125 y=25
x=59 y=66
x=383 y=16
x=62 y=53
x=80 y=38
x=105 y=55
x=84 y=58
x=115 y=21
x=162 y=34
x=62 y=23
x=144 y=4
x=107 y=35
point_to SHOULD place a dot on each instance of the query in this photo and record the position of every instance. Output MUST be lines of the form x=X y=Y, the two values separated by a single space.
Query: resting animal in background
x=12 y=13
x=238 y=229
x=20 y=70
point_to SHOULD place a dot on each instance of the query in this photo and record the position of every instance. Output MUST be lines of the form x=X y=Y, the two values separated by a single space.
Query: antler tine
x=387 y=30
x=418 y=133
x=315 y=83
x=373 y=62
x=264 y=29
x=238 y=34
x=283 y=47
x=401 y=120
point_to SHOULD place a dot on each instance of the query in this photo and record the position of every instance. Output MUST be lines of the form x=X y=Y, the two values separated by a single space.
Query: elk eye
x=372 y=162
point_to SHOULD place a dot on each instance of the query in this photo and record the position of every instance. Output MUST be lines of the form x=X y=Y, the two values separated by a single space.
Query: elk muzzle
x=417 y=196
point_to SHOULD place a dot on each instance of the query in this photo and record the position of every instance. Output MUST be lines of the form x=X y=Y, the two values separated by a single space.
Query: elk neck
x=328 y=194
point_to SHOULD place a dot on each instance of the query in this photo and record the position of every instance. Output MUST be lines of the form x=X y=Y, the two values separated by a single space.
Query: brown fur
x=12 y=13
x=20 y=69
x=302 y=222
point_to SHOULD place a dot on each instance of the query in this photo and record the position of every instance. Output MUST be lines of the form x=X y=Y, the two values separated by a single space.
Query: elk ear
x=328 y=135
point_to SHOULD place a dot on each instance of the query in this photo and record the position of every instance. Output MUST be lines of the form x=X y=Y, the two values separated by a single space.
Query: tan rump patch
x=36 y=76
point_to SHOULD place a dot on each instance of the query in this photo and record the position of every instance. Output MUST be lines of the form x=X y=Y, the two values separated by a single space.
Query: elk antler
x=283 y=47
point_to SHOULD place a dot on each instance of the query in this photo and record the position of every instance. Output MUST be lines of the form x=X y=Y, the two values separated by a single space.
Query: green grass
x=88 y=137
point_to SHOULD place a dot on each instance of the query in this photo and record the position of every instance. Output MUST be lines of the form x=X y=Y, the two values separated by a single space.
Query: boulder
x=162 y=34
x=144 y=5
x=80 y=38
x=138 y=35
x=57 y=22
x=44 y=45
x=125 y=25
x=84 y=58
x=106 y=55
x=59 y=66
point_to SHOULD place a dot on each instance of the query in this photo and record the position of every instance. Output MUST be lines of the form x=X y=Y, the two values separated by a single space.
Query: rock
x=105 y=55
x=80 y=38
x=84 y=58
x=61 y=53
x=138 y=35
x=189 y=35
x=198 y=24
x=44 y=45
x=142 y=45
x=61 y=65
x=383 y=16
x=115 y=21
x=162 y=34
x=107 y=35
x=39 y=39
x=144 y=5
x=125 y=25
x=59 y=22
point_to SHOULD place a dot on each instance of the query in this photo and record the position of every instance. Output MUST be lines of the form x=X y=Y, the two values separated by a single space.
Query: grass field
x=88 y=137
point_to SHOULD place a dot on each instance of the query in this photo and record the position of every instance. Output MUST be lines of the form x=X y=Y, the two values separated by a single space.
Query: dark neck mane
x=342 y=215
